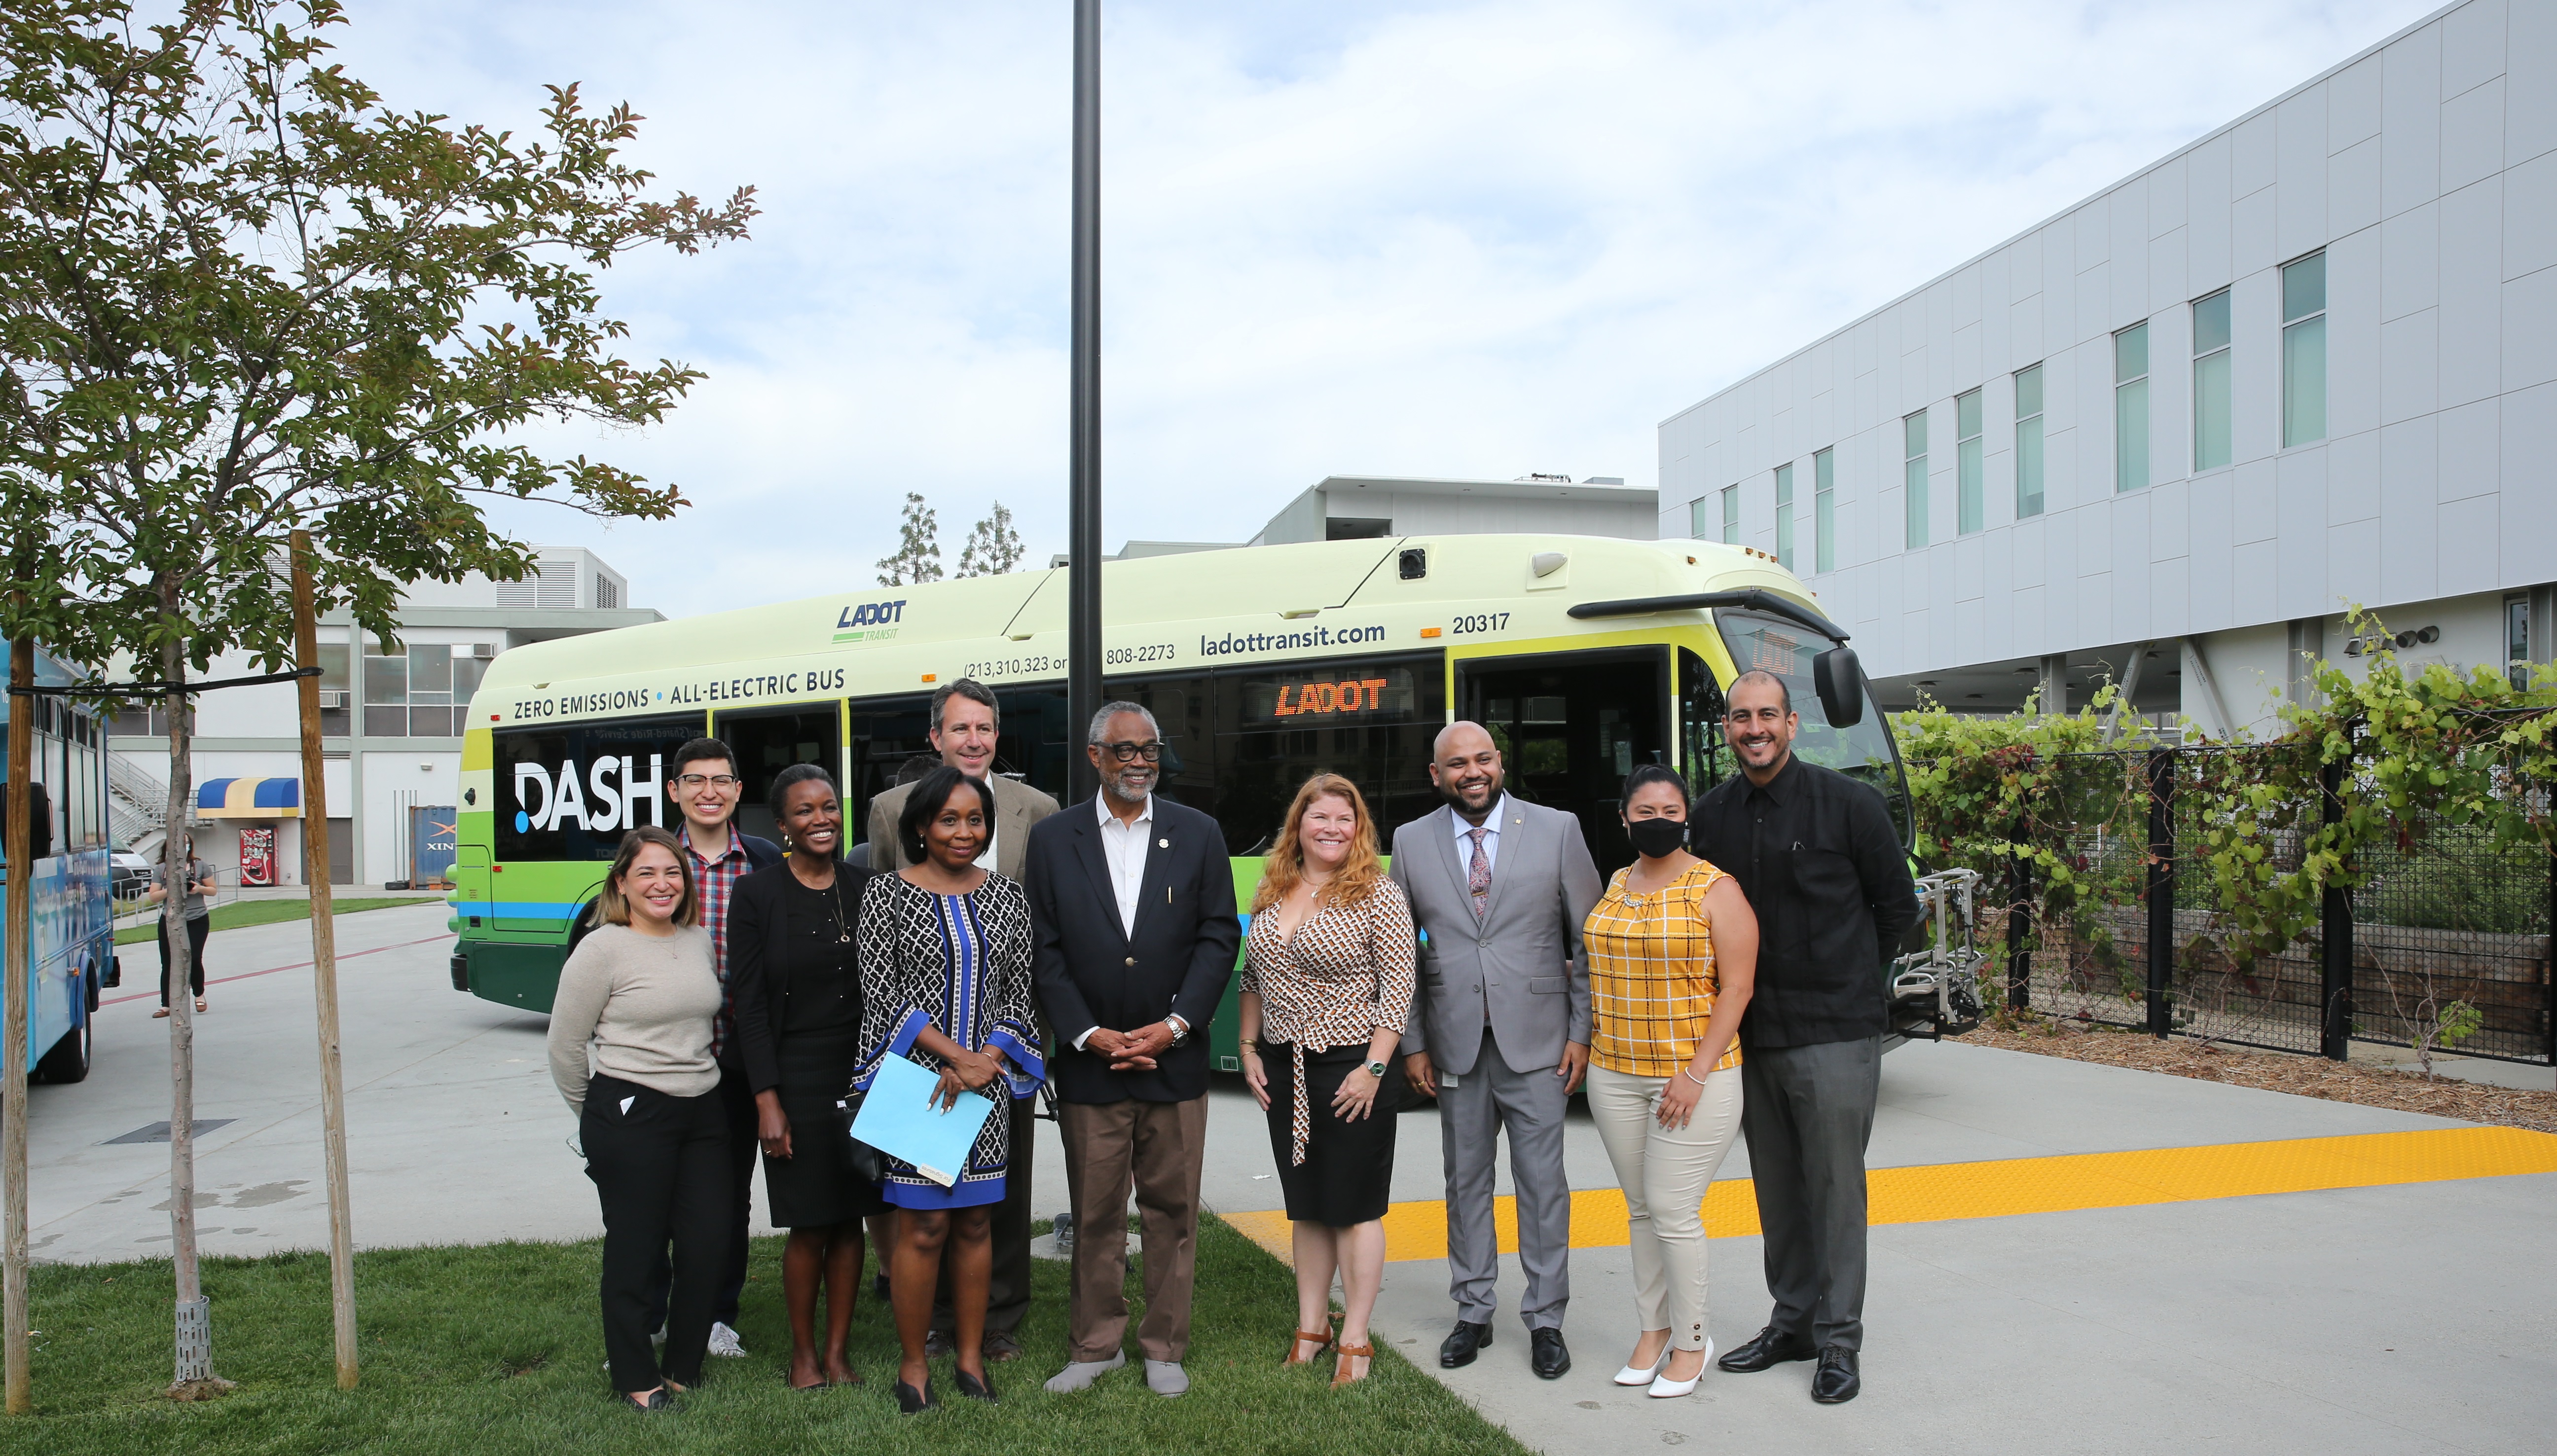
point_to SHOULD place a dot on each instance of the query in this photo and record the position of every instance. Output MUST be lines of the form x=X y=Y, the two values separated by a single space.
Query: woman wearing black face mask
x=1672 y=949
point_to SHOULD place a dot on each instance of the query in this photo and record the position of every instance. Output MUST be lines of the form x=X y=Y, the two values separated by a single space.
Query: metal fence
x=2141 y=940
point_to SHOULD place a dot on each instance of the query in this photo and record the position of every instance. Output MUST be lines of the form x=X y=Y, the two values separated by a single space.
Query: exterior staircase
x=137 y=806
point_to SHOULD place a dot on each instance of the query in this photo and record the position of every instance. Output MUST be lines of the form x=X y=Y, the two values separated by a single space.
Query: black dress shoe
x=974 y=1389
x=1836 y=1378
x=1766 y=1348
x=1461 y=1344
x=1545 y=1354
x=912 y=1402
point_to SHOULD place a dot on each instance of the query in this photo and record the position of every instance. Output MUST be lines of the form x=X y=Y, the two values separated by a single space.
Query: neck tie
x=1478 y=875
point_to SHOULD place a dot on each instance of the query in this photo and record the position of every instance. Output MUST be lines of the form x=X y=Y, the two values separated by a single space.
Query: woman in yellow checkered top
x=1673 y=948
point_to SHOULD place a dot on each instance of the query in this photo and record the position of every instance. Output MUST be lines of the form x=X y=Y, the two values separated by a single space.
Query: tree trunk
x=195 y=1326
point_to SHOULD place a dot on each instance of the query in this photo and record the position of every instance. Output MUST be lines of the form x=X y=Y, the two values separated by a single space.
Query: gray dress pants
x=1808 y=1117
x=1471 y=1117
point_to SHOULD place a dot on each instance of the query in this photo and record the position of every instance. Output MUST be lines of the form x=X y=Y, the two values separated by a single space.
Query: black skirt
x=816 y=1187
x=1349 y=1166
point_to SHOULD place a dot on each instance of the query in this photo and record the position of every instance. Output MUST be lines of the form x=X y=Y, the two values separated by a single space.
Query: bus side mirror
x=1839 y=681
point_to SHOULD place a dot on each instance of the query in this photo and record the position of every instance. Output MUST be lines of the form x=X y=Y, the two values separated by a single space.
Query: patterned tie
x=1478 y=875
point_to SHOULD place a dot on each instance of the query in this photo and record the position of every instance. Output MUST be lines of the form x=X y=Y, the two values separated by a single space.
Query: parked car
x=129 y=876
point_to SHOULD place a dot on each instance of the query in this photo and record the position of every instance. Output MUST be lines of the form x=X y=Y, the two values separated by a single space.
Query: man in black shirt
x=1815 y=851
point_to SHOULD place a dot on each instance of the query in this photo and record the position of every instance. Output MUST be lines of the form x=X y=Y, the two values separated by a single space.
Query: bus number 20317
x=1475 y=626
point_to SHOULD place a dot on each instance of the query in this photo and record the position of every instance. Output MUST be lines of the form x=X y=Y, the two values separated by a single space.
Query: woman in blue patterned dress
x=945 y=960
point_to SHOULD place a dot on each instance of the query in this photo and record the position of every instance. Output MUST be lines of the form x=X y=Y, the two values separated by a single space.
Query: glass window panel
x=2131 y=436
x=467 y=672
x=332 y=667
x=430 y=669
x=1969 y=507
x=1731 y=515
x=1913 y=436
x=1825 y=511
x=386 y=723
x=2210 y=323
x=2028 y=467
x=1699 y=519
x=385 y=680
x=431 y=723
x=2028 y=392
x=2211 y=412
x=2304 y=381
x=2130 y=353
x=2516 y=629
x=1785 y=516
x=2304 y=287
x=1914 y=496
x=1966 y=416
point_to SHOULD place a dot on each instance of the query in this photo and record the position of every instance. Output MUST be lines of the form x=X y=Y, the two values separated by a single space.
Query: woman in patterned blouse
x=1673 y=952
x=1327 y=978
x=945 y=958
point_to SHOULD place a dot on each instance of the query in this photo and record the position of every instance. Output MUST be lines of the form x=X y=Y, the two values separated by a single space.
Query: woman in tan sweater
x=631 y=1051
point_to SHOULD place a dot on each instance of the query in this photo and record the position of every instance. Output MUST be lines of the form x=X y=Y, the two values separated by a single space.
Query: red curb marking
x=154 y=994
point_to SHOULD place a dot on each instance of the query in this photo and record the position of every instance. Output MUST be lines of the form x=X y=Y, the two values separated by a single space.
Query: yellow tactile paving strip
x=1990 y=1190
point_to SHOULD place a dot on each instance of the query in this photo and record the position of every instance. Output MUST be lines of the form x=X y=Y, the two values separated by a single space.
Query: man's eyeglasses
x=1129 y=752
x=692 y=782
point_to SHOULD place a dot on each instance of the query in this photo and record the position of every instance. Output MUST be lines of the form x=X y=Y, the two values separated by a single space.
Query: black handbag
x=868 y=1163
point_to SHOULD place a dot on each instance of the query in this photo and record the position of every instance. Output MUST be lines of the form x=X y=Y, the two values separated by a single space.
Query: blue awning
x=249 y=798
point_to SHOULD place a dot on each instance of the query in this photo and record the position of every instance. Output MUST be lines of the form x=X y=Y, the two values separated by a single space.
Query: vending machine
x=257 y=857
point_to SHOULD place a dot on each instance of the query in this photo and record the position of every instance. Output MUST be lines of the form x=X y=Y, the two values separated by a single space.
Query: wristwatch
x=1180 y=1029
x=1376 y=1070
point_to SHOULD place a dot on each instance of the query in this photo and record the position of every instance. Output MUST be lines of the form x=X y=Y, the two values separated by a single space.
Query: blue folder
x=898 y=1118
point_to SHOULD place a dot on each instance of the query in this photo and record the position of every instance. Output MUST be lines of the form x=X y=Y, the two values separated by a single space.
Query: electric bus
x=1584 y=656
x=71 y=951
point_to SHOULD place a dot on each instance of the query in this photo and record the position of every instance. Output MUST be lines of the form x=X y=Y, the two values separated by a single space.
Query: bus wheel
x=68 y=1060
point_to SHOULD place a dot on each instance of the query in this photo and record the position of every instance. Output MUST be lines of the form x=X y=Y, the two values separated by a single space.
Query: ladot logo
x=611 y=782
x=869 y=621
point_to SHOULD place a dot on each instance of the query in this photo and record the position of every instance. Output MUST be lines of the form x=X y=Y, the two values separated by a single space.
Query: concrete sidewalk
x=2406 y=1318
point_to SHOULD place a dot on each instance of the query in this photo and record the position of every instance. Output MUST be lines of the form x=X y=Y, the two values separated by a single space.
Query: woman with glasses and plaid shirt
x=1673 y=950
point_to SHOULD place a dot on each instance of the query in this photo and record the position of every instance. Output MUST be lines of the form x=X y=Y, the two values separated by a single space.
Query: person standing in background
x=1671 y=950
x=1501 y=1032
x=1327 y=981
x=1829 y=879
x=1131 y=897
x=200 y=920
x=631 y=1053
x=966 y=726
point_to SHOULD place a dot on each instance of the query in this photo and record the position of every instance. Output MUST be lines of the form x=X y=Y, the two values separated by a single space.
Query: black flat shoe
x=974 y=1389
x=1462 y=1343
x=1546 y=1355
x=912 y=1402
x=660 y=1401
x=1837 y=1380
x=1767 y=1349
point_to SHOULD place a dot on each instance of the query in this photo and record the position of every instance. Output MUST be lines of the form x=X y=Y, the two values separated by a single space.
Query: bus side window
x=1370 y=720
x=1701 y=714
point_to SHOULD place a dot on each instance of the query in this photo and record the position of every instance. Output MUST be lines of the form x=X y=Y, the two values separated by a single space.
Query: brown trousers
x=1155 y=1147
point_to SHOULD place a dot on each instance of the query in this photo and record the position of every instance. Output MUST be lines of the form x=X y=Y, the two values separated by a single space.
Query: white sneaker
x=1079 y=1374
x=1665 y=1388
x=1165 y=1378
x=724 y=1341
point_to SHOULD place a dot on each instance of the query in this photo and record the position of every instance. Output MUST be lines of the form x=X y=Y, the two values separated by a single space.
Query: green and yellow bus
x=1584 y=656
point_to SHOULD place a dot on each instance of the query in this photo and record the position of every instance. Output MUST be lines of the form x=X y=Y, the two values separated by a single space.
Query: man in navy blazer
x=1131 y=905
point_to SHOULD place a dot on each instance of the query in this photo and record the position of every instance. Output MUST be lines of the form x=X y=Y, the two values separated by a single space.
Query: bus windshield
x=1863 y=750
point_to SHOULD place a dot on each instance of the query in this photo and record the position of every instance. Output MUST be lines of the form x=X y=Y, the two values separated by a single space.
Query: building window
x=2304 y=349
x=1700 y=517
x=2516 y=642
x=2028 y=442
x=1785 y=516
x=422 y=693
x=607 y=594
x=1913 y=475
x=1970 y=512
x=2132 y=408
x=1825 y=511
x=1731 y=515
x=2211 y=411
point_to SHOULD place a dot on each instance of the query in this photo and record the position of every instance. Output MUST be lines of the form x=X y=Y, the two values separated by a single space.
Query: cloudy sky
x=1425 y=238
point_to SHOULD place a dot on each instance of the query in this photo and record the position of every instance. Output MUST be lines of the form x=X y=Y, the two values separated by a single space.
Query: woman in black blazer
x=792 y=943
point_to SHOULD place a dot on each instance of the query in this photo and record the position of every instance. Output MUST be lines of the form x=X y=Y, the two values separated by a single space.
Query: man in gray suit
x=1500 y=1033
x=966 y=726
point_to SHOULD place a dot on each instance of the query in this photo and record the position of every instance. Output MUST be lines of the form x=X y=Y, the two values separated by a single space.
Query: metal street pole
x=1083 y=516
x=12 y=1026
x=323 y=965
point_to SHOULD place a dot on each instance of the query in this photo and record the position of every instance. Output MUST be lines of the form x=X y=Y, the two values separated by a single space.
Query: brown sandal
x=1341 y=1372
x=1321 y=1341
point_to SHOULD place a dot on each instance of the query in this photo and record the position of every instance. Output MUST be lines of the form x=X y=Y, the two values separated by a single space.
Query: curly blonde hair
x=1286 y=867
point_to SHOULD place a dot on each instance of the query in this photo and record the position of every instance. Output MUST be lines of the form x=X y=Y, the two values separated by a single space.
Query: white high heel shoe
x=1642 y=1375
x=1665 y=1388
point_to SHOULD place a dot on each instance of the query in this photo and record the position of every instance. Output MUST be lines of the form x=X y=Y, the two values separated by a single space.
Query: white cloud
x=1417 y=239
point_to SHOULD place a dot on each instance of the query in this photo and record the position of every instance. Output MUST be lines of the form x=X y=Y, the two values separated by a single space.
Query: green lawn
x=499 y=1349
x=239 y=913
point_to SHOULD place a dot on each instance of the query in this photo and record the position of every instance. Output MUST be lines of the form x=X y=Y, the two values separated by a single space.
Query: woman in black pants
x=200 y=923
x=792 y=954
x=631 y=1051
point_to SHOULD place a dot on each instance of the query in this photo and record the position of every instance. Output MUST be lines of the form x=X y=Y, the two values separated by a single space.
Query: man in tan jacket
x=965 y=726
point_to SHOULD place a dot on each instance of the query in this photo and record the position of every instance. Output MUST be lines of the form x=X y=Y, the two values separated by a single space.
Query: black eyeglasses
x=1129 y=752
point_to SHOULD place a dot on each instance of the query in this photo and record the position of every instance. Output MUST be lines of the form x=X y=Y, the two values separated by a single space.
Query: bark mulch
x=2368 y=1086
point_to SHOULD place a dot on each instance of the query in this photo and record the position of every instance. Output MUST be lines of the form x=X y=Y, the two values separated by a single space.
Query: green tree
x=992 y=547
x=918 y=547
x=240 y=294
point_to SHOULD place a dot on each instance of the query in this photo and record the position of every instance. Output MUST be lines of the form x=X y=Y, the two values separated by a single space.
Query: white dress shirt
x=1124 y=847
x=1492 y=822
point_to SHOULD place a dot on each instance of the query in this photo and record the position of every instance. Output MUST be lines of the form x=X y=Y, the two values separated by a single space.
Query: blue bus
x=71 y=920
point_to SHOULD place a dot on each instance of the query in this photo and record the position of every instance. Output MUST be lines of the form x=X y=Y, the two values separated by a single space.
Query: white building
x=392 y=724
x=2305 y=363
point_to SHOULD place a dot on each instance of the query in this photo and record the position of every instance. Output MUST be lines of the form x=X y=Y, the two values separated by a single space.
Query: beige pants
x=1665 y=1172
x=1154 y=1148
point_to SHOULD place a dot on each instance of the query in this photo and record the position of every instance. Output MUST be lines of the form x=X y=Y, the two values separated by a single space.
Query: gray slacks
x=1472 y=1116
x=1808 y=1117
